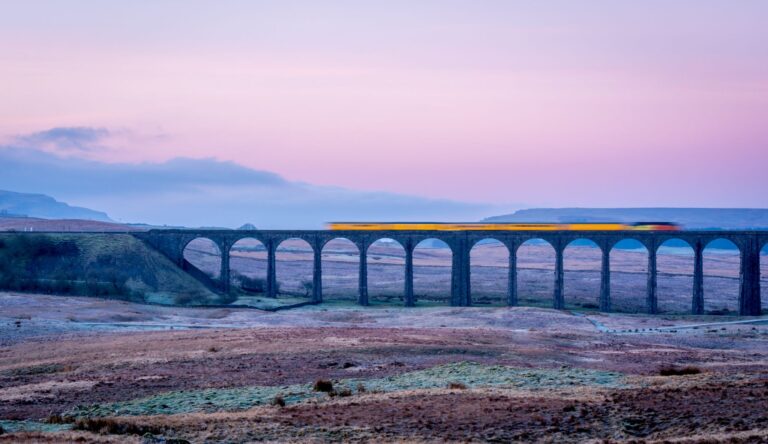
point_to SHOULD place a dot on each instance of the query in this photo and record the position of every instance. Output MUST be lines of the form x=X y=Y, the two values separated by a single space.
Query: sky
x=204 y=192
x=485 y=103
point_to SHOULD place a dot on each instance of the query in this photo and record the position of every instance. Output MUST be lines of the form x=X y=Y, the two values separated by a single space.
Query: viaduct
x=172 y=243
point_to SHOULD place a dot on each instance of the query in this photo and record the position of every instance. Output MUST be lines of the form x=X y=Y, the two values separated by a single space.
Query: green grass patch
x=266 y=303
x=470 y=374
x=31 y=426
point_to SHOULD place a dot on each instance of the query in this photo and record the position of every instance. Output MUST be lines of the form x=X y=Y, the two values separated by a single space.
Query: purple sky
x=550 y=103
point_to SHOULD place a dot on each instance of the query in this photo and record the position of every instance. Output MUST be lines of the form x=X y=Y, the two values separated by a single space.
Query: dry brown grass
x=111 y=426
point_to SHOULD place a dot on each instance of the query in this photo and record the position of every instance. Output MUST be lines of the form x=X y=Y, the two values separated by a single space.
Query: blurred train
x=483 y=226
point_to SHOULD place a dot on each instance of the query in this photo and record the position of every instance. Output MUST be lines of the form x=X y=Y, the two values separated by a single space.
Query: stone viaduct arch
x=477 y=247
x=764 y=275
x=676 y=271
x=171 y=243
x=340 y=246
x=289 y=254
x=385 y=258
x=721 y=268
x=193 y=261
x=430 y=257
x=581 y=294
x=535 y=274
x=629 y=257
x=247 y=258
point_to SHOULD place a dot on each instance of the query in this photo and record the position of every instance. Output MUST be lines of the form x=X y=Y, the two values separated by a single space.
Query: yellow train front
x=485 y=226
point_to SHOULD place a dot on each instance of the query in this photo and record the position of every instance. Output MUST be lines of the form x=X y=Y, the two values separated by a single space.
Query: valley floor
x=110 y=371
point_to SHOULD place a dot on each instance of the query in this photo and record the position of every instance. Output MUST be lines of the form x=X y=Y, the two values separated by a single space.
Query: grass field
x=92 y=370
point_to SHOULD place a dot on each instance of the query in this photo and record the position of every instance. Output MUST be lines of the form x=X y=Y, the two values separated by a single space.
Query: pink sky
x=565 y=103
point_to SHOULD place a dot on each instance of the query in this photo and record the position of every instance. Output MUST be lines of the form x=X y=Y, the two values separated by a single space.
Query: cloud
x=202 y=192
x=66 y=139
x=29 y=168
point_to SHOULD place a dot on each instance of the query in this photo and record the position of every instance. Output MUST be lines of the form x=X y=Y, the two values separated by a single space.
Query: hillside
x=70 y=225
x=43 y=206
x=118 y=266
x=690 y=218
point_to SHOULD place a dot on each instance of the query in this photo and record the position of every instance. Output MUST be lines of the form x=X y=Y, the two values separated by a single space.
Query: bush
x=307 y=286
x=110 y=426
x=227 y=298
x=184 y=299
x=323 y=385
x=58 y=419
x=678 y=371
x=720 y=312
x=251 y=285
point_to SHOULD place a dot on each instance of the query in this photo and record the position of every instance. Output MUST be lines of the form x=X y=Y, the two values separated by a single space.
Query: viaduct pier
x=171 y=243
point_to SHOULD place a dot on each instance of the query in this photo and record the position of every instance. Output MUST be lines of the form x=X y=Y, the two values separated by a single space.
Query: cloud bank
x=66 y=139
x=198 y=192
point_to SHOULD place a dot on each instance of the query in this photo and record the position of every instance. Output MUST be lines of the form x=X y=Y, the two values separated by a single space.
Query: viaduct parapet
x=172 y=243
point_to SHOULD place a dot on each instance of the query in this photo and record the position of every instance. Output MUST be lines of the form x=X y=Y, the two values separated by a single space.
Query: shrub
x=344 y=392
x=323 y=385
x=678 y=371
x=184 y=299
x=113 y=427
x=307 y=286
x=251 y=285
x=720 y=312
x=227 y=298
x=58 y=419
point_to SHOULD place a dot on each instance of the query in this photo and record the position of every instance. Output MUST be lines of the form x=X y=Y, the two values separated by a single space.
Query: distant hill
x=690 y=218
x=17 y=223
x=13 y=204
